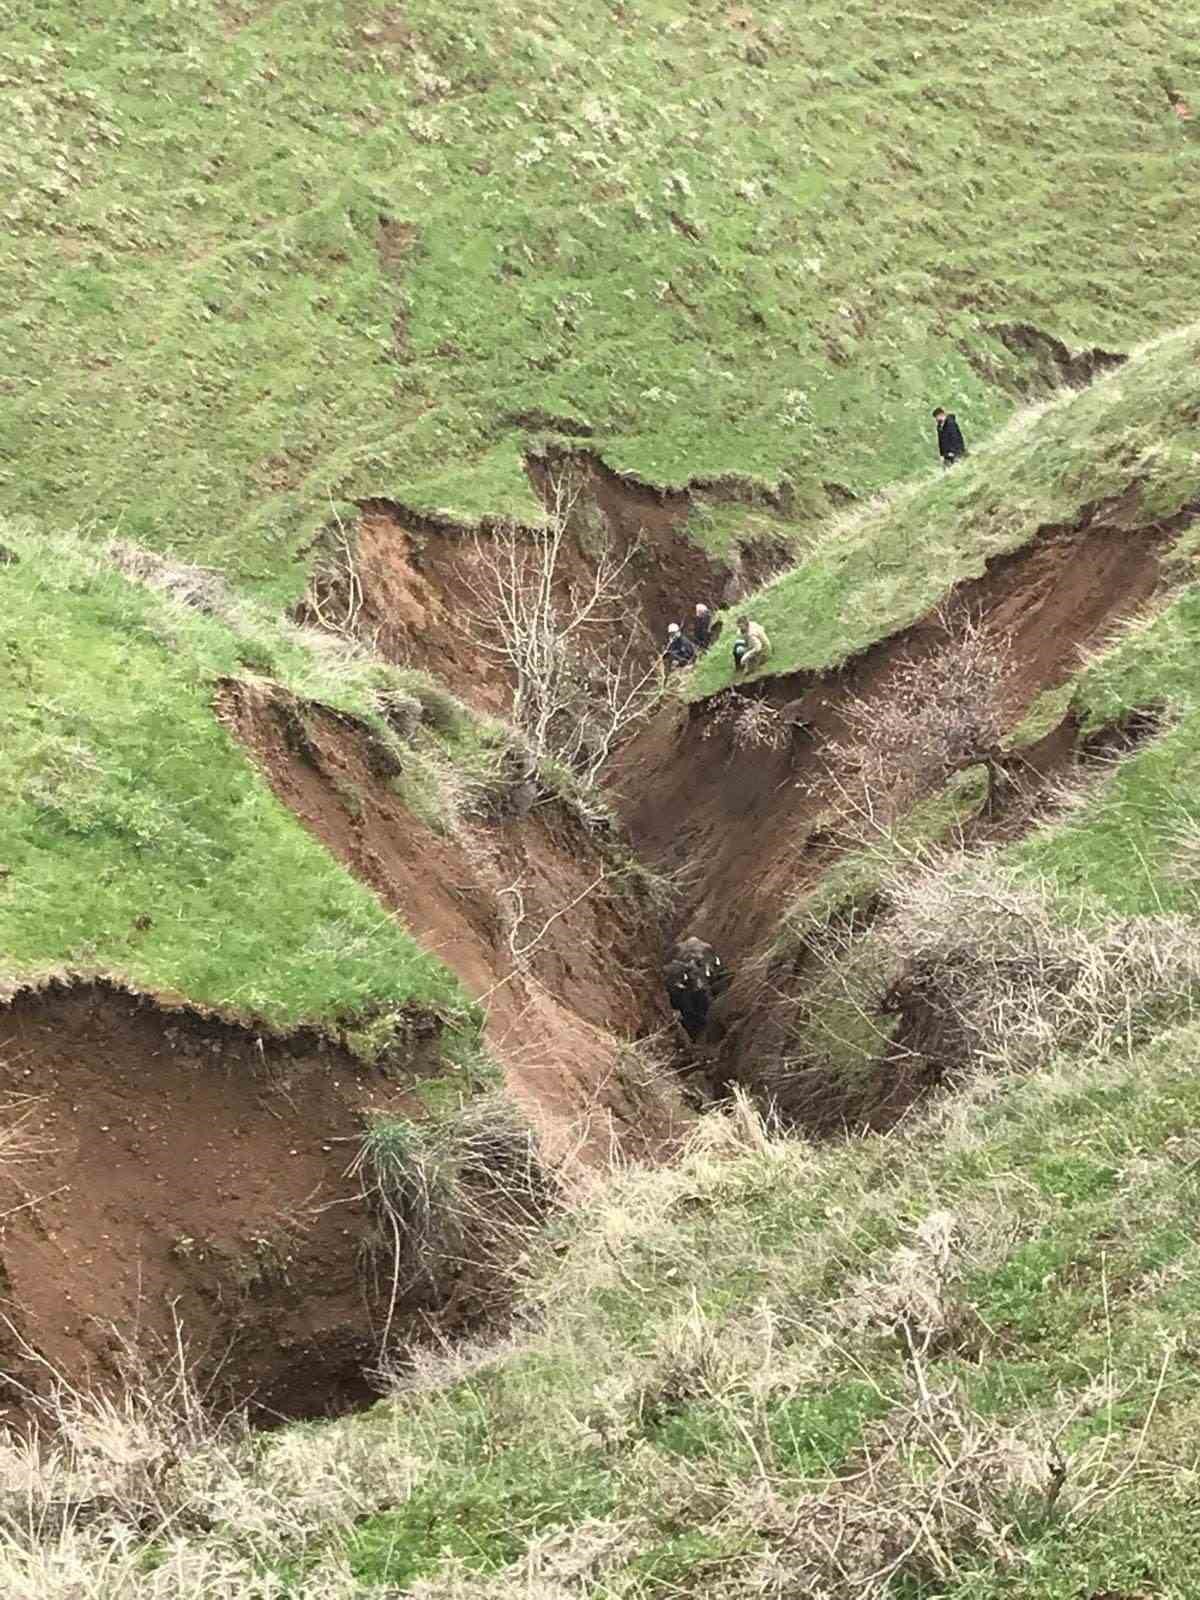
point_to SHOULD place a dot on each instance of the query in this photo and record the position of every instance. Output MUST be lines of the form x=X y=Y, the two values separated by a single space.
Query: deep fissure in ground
x=262 y=1262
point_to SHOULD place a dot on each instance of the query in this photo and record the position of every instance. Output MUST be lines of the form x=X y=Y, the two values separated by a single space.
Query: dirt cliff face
x=161 y=1170
x=410 y=592
x=534 y=914
x=745 y=830
x=748 y=828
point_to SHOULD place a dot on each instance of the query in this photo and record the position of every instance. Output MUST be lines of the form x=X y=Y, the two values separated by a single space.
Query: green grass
x=1131 y=849
x=258 y=257
x=1075 y=1201
x=720 y=1348
x=884 y=567
x=137 y=838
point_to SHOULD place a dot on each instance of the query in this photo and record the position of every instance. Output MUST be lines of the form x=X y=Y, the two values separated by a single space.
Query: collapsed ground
x=539 y=917
x=312 y=304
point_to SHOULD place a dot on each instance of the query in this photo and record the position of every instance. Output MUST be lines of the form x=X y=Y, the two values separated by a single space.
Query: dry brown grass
x=959 y=965
x=985 y=970
x=101 y=1480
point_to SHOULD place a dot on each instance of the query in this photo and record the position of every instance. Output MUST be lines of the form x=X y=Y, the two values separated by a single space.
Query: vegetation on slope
x=259 y=256
x=950 y=1362
x=1129 y=438
x=136 y=837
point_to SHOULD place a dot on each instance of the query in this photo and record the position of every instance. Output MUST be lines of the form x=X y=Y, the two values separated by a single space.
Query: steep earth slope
x=545 y=925
x=170 y=1176
x=287 y=272
x=750 y=817
x=204 y=1012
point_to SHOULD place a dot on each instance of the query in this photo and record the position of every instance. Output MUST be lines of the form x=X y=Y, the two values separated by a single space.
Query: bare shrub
x=583 y=670
x=935 y=715
x=985 y=970
x=938 y=1488
x=335 y=591
x=751 y=724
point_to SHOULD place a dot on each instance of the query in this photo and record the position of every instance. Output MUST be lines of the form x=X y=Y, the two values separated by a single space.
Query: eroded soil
x=536 y=916
x=747 y=830
x=187 y=1169
x=163 y=1169
x=414 y=594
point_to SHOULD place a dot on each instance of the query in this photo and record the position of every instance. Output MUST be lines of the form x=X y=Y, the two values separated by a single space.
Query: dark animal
x=694 y=976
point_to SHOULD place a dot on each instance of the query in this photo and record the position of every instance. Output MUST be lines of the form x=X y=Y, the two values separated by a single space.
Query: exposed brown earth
x=748 y=830
x=192 y=1168
x=413 y=599
x=185 y=1170
x=760 y=820
x=534 y=914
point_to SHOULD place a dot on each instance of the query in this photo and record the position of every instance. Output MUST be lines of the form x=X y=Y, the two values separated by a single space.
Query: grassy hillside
x=258 y=256
x=953 y=1363
x=136 y=837
x=1131 y=437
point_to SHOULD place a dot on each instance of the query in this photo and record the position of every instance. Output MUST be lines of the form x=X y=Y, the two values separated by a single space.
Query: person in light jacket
x=751 y=647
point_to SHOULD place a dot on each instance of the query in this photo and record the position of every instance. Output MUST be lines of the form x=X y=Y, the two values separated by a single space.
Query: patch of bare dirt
x=533 y=914
x=184 y=1167
x=1054 y=362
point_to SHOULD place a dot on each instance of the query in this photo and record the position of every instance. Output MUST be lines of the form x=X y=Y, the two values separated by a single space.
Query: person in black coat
x=695 y=977
x=702 y=632
x=950 y=440
x=680 y=651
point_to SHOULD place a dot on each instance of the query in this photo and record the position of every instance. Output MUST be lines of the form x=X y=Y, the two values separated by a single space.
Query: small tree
x=935 y=715
x=584 y=670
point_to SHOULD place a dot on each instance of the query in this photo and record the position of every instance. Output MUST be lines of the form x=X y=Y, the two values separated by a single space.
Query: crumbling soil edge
x=411 y=595
x=184 y=1166
x=533 y=913
x=769 y=817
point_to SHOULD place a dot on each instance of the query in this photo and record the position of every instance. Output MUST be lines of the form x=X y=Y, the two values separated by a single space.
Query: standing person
x=702 y=632
x=680 y=651
x=751 y=647
x=950 y=440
